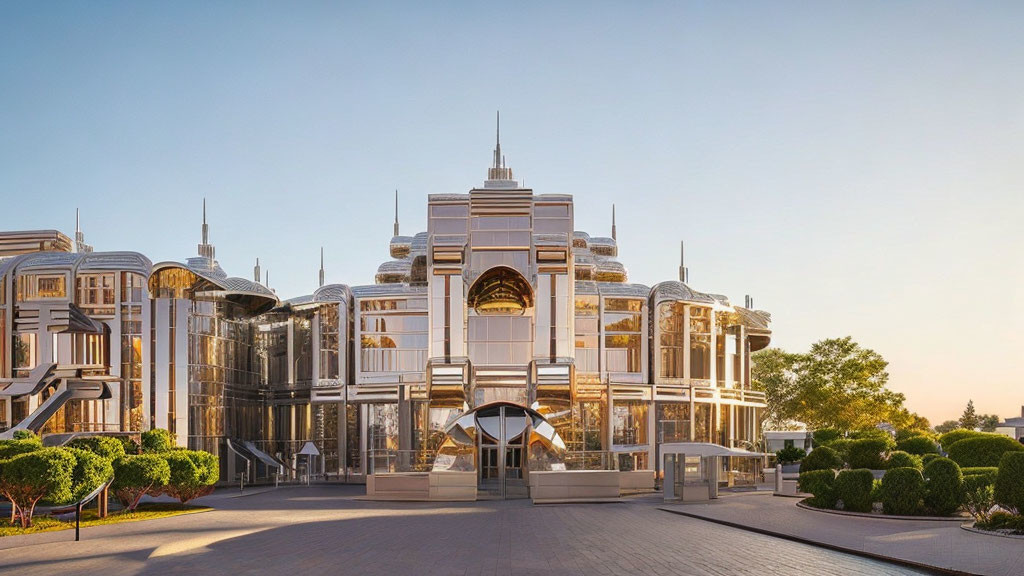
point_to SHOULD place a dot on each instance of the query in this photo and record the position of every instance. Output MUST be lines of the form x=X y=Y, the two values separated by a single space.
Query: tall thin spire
x=206 y=250
x=614 y=237
x=322 y=263
x=396 y=212
x=684 y=272
x=499 y=175
x=256 y=271
x=80 y=245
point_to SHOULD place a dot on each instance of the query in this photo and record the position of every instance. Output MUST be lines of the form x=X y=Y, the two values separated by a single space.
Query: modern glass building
x=500 y=340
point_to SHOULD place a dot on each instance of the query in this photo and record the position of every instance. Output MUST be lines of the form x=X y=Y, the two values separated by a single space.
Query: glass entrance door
x=502 y=452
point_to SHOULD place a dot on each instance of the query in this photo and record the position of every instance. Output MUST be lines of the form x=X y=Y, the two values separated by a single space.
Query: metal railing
x=399 y=461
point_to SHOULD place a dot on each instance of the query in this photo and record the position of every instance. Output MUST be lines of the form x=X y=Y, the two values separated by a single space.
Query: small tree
x=157 y=440
x=134 y=476
x=28 y=478
x=947 y=426
x=979 y=496
x=988 y=422
x=969 y=419
x=193 y=474
x=943 y=486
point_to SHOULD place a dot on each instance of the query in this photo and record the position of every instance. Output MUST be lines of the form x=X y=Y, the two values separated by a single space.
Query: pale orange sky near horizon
x=854 y=167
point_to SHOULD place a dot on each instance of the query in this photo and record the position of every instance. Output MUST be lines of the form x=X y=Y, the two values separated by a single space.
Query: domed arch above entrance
x=500 y=290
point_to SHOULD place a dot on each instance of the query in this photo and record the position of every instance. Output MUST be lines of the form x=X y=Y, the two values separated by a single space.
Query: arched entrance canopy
x=500 y=290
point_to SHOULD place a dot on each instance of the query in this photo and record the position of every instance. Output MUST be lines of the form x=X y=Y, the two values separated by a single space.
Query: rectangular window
x=700 y=343
x=623 y=340
x=41 y=287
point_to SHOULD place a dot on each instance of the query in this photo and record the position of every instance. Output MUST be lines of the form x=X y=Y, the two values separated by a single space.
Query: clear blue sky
x=856 y=167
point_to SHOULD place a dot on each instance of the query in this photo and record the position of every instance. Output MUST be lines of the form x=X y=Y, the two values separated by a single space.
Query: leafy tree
x=134 y=476
x=988 y=422
x=836 y=384
x=969 y=419
x=947 y=426
x=773 y=372
x=28 y=478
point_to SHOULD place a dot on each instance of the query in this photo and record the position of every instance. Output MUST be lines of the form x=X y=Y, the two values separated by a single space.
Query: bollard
x=78 y=520
x=778 y=478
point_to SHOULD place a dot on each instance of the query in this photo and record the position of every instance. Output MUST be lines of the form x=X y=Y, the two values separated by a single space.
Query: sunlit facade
x=499 y=340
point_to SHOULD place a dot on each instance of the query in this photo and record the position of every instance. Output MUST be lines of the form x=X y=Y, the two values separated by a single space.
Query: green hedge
x=106 y=446
x=919 y=445
x=822 y=458
x=949 y=438
x=928 y=458
x=867 y=453
x=841 y=447
x=820 y=483
x=11 y=448
x=902 y=491
x=900 y=459
x=943 y=487
x=1009 y=487
x=982 y=450
x=853 y=487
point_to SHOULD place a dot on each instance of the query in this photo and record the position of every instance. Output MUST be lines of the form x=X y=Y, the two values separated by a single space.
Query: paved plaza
x=328 y=530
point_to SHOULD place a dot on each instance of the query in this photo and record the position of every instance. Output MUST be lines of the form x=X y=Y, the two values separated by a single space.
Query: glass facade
x=500 y=301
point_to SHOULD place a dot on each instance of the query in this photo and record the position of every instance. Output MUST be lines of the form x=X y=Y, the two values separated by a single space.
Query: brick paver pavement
x=941 y=543
x=325 y=530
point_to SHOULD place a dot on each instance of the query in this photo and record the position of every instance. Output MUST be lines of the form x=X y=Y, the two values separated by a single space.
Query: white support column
x=291 y=351
x=181 y=376
x=163 y=363
x=147 y=358
x=315 y=345
x=714 y=348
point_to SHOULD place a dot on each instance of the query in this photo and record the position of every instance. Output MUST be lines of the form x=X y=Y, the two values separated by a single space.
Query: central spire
x=396 y=213
x=206 y=250
x=499 y=175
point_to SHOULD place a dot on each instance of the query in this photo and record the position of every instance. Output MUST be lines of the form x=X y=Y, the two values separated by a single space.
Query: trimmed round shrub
x=823 y=458
x=943 y=486
x=949 y=438
x=902 y=491
x=193 y=474
x=790 y=454
x=979 y=496
x=820 y=483
x=157 y=440
x=11 y=448
x=1009 y=487
x=90 y=472
x=842 y=447
x=867 y=453
x=134 y=476
x=919 y=445
x=982 y=450
x=106 y=446
x=853 y=487
x=825 y=435
x=28 y=478
x=928 y=458
x=899 y=459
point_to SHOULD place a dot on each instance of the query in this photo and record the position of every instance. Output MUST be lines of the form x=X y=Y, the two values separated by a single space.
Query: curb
x=852 y=551
x=971 y=528
x=881 y=516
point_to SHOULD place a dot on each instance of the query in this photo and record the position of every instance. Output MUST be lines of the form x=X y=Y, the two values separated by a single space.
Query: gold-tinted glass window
x=700 y=343
x=623 y=340
x=393 y=335
x=329 y=342
x=95 y=290
x=587 y=334
x=671 y=325
x=41 y=287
